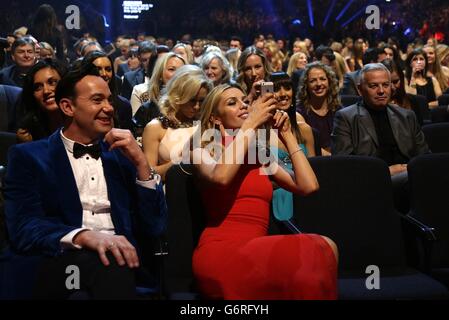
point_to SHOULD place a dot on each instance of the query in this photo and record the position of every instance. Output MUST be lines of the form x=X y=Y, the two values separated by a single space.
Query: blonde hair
x=442 y=51
x=277 y=57
x=182 y=88
x=209 y=107
x=302 y=47
x=233 y=55
x=294 y=61
x=436 y=69
x=47 y=46
x=340 y=68
x=155 y=84
x=189 y=52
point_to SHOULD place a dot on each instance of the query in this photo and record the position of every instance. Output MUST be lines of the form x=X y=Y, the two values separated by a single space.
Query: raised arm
x=304 y=180
x=222 y=171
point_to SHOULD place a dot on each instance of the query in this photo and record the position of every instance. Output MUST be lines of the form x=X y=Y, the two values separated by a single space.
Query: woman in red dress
x=235 y=258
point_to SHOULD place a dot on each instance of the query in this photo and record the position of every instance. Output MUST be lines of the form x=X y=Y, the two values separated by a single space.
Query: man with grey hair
x=373 y=127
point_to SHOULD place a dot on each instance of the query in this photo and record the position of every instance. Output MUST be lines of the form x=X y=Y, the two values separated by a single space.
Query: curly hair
x=333 y=98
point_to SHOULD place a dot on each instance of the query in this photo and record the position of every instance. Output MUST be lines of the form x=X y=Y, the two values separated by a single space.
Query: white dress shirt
x=93 y=193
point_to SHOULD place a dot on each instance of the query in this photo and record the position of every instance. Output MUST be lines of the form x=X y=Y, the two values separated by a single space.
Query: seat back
x=354 y=207
x=348 y=100
x=421 y=108
x=316 y=142
x=186 y=221
x=443 y=100
x=437 y=136
x=429 y=181
x=7 y=140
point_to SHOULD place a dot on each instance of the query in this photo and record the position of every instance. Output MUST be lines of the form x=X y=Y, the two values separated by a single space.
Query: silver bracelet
x=300 y=149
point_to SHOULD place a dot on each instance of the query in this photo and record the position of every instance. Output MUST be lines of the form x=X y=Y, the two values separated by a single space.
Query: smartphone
x=266 y=87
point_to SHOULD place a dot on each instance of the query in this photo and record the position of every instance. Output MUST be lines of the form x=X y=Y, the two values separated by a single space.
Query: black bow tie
x=79 y=150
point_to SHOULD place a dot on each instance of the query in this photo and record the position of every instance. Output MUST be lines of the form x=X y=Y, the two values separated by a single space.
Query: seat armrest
x=419 y=229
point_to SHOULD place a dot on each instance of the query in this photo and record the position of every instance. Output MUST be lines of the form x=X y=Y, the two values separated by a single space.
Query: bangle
x=291 y=155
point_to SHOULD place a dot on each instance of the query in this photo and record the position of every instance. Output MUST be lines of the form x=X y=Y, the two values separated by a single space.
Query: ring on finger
x=112 y=245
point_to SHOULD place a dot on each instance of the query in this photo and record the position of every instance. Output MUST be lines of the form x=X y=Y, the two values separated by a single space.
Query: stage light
x=329 y=11
x=407 y=31
x=358 y=13
x=344 y=10
x=310 y=10
x=296 y=22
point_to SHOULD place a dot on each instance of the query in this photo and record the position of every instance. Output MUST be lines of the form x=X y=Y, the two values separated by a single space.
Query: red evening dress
x=236 y=259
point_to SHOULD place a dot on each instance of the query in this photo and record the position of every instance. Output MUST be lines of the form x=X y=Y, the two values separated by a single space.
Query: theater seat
x=437 y=136
x=348 y=100
x=354 y=207
x=429 y=180
x=186 y=221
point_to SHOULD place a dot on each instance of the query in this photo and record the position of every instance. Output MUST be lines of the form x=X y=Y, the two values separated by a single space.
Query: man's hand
x=123 y=251
x=397 y=168
x=125 y=142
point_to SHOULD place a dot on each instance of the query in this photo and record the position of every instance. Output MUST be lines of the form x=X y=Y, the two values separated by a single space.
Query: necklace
x=169 y=123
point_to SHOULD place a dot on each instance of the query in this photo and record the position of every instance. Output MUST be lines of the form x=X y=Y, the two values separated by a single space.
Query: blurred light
x=310 y=9
x=394 y=23
x=106 y=24
x=407 y=31
x=342 y=12
x=296 y=22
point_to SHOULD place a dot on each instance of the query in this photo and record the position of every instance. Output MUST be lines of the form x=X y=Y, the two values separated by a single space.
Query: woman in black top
x=416 y=79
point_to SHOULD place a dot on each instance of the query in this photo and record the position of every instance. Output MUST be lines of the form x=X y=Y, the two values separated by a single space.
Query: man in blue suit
x=10 y=97
x=79 y=197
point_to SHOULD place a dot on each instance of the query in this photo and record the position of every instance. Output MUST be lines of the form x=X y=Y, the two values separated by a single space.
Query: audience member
x=318 y=101
x=376 y=128
x=66 y=203
x=235 y=258
x=39 y=114
x=164 y=138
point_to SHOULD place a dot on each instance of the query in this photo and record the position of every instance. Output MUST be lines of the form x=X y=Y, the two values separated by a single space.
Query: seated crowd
x=98 y=131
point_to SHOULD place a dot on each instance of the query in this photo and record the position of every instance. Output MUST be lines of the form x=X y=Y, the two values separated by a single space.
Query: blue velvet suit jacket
x=43 y=204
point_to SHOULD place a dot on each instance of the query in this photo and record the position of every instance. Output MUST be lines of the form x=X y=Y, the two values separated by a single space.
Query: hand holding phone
x=266 y=87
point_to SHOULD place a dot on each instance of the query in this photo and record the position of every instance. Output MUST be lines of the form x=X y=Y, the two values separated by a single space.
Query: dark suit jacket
x=43 y=205
x=10 y=77
x=354 y=132
x=131 y=79
x=350 y=81
x=10 y=98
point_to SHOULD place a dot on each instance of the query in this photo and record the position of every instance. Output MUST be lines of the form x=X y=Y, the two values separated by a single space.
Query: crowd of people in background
x=159 y=86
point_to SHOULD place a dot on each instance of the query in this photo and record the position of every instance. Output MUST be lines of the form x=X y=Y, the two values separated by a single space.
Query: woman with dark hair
x=253 y=67
x=44 y=29
x=105 y=68
x=41 y=115
x=283 y=93
x=400 y=97
x=319 y=100
x=417 y=80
